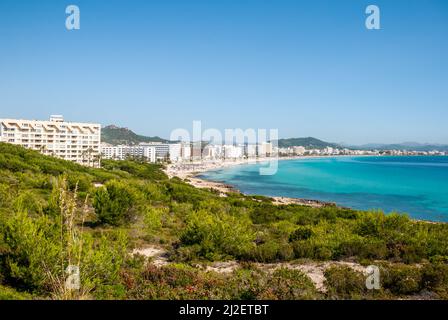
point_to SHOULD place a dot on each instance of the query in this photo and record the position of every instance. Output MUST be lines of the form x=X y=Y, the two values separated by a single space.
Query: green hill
x=308 y=142
x=115 y=135
x=55 y=214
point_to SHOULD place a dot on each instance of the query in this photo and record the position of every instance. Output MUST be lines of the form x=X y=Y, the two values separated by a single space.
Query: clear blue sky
x=308 y=68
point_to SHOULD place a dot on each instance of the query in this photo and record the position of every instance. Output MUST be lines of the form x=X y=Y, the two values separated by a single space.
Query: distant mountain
x=309 y=142
x=410 y=146
x=116 y=135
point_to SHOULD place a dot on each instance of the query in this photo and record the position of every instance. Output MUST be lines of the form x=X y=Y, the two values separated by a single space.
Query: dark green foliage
x=396 y=280
x=344 y=283
x=434 y=277
x=113 y=203
x=11 y=294
x=401 y=279
x=182 y=282
x=135 y=169
x=301 y=233
x=218 y=235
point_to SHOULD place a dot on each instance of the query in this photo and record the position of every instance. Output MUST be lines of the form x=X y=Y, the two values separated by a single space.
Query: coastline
x=189 y=173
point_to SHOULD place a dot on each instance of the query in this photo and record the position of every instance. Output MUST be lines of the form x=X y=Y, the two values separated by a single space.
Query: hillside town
x=81 y=143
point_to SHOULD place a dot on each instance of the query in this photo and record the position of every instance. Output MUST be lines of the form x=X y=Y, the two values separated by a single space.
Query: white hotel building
x=150 y=152
x=165 y=151
x=73 y=141
x=122 y=152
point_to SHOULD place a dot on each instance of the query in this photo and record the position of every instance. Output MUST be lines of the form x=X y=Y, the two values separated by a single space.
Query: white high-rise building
x=250 y=150
x=149 y=153
x=264 y=149
x=72 y=141
x=185 y=151
x=175 y=152
x=162 y=149
x=123 y=152
x=212 y=151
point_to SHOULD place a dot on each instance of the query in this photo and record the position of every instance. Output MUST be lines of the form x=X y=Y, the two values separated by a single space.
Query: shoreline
x=189 y=173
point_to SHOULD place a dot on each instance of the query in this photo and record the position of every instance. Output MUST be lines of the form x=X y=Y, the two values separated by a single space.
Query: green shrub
x=218 y=235
x=35 y=253
x=287 y=284
x=11 y=294
x=113 y=203
x=264 y=213
x=435 y=278
x=154 y=217
x=39 y=249
x=344 y=283
x=28 y=202
x=33 y=250
x=401 y=279
x=6 y=196
x=301 y=233
x=303 y=249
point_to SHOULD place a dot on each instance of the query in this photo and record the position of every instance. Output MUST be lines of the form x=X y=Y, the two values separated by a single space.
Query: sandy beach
x=189 y=171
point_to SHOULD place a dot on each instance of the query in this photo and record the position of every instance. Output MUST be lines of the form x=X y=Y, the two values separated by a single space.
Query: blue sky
x=308 y=68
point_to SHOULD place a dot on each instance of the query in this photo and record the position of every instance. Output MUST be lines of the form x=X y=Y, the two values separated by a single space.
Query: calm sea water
x=414 y=185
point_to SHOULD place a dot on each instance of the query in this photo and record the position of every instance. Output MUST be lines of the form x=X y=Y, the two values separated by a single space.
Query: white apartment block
x=72 y=141
x=162 y=149
x=175 y=152
x=122 y=152
x=264 y=149
x=185 y=151
x=232 y=152
x=212 y=151
x=165 y=151
x=250 y=150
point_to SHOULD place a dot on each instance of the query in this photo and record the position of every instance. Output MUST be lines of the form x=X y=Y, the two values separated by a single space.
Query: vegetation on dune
x=179 y=281
x=54 y=214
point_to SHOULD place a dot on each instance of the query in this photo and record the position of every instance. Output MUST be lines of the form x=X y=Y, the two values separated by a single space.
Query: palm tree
x=43 y=149
x=97 y=159
x=89 y=156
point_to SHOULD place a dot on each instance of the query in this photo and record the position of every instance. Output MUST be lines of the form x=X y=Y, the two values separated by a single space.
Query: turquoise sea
x=416 y=185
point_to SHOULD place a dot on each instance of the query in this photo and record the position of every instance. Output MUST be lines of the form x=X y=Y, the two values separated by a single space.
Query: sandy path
x=314 y=270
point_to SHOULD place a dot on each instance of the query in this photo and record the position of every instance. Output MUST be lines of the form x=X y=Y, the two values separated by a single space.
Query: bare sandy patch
x=157 y=255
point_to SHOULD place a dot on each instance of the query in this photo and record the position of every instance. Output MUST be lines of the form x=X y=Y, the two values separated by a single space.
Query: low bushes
x=11 y=294
x=396 y=280
x=218 y=235
x=36 y=251
x=344 y=283
x=113 y=203
x=182 y=282
x=301 y=233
